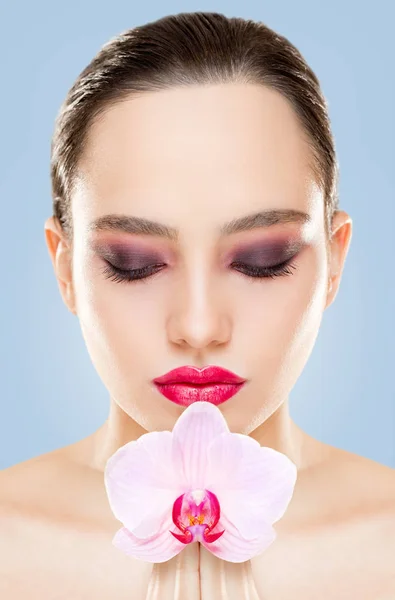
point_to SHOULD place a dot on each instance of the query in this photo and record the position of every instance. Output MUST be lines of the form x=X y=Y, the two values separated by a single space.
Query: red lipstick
x=186 y=385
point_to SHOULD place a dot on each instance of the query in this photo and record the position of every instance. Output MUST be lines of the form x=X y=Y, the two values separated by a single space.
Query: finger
x=251 y=590
x=177 y=578
x=188 y=573
x=212 y=576
x=225 y=580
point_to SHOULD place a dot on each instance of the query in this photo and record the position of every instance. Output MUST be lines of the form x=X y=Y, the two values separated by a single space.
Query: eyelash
x=143 y=274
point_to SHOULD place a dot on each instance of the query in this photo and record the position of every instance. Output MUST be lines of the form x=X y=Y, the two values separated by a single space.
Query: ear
x=61 y=257
x=339 y=245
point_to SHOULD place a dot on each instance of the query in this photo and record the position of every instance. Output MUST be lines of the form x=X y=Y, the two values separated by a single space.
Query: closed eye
x=258 y=272
x=143 y=274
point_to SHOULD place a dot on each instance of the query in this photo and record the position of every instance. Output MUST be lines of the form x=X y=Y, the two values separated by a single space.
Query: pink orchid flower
x=198 y=483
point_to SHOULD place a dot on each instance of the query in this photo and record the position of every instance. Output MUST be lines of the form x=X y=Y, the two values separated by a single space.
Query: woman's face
x=194 y=160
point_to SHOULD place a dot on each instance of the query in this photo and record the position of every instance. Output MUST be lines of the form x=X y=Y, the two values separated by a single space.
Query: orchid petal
x=156 y=549
x=254 y=484
x=234 y=548
x=194 y=430
x=142 y=480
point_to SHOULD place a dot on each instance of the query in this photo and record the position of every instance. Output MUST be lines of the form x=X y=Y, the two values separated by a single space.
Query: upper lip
x=210 y=374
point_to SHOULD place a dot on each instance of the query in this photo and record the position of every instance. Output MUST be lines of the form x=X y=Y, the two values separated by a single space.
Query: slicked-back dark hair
x=183 y=50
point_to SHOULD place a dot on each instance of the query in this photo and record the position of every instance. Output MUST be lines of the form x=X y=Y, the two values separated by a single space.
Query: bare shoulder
x=32 y=485
x=56 y=529
x=370 y=482
x=21 y=480
x=50 y=497
x=51 y=486
x=366 y=491
x=369 y=488
x=344 y=491
x=25 y=496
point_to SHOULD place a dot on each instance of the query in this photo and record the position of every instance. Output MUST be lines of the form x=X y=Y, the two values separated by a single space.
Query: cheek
x=117 y=319
x=283 y=317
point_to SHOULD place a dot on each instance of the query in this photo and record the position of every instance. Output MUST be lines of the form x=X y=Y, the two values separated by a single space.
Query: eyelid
x=274 y=253
x=129 y=259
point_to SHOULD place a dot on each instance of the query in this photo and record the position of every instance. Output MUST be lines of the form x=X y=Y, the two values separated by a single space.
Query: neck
x=278 y=431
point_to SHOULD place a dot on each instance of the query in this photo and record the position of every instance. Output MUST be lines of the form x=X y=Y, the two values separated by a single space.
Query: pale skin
x=194 y=159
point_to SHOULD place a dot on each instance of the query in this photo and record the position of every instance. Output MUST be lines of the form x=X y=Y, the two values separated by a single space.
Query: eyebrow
x=140 y=225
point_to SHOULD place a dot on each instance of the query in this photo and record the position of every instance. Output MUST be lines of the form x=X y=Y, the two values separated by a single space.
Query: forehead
x=196 y=148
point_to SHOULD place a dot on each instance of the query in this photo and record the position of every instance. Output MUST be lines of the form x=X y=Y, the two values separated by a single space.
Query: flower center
x=196 y=513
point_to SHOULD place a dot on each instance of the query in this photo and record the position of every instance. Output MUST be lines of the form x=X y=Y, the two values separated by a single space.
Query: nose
x=199 y=317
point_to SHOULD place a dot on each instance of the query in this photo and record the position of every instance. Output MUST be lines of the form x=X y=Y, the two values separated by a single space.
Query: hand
x=177 y=578
x=223 y=580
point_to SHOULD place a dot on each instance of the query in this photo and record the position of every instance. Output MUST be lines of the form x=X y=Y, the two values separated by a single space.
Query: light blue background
x=51 y=394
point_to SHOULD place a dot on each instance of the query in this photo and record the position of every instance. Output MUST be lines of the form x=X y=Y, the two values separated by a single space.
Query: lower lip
x=186 y=394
